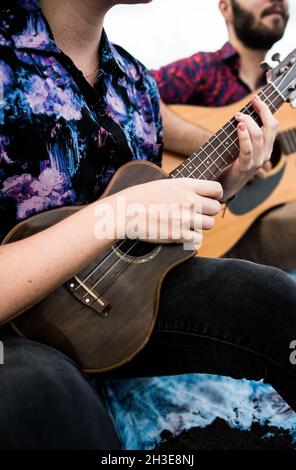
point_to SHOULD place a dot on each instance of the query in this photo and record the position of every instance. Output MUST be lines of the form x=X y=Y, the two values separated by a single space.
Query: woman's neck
x=77 y=29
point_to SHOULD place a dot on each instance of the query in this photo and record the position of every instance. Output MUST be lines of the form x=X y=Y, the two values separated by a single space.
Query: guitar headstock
x=283 y=77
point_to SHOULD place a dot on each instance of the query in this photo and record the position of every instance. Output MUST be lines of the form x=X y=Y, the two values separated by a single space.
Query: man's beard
x=252 y=35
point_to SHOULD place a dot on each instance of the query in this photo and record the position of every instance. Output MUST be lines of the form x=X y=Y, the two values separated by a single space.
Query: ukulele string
x=120 y=259
x=195 y=156
x=125 y=265
x=275 y=87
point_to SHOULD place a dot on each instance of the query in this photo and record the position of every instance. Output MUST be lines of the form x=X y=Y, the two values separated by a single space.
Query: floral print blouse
x=61 y=140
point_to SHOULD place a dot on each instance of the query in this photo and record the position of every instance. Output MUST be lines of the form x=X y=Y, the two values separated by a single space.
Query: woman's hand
x=170 y=210
x=256 y=147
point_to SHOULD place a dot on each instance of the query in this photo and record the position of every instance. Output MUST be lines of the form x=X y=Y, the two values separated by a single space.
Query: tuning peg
x=276 y=57
x=265 y=66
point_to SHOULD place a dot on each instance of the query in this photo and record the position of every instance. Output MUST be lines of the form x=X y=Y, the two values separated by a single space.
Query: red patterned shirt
x=205 y=79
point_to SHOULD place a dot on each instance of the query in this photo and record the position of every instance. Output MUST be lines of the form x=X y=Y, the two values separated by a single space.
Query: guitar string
x=267 y=98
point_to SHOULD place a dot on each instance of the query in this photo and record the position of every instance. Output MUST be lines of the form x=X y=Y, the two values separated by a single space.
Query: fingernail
x=242 y=126
x=238 y=115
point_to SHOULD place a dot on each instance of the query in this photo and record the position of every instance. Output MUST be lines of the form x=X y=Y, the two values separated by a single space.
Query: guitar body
x=94 y=342
x=253 y=200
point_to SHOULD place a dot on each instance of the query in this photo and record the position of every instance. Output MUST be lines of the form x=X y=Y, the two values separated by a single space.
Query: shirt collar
x=229 y=52
x=28 y=28
x=25 y=24
x=110 y=58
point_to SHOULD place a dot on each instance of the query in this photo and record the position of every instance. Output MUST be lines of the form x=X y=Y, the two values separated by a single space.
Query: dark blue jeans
x=223 y=317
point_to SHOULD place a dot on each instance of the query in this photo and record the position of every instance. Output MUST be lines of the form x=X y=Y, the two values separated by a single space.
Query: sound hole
x=136 y=251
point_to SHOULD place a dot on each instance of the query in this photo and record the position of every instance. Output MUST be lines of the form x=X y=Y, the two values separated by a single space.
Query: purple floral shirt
x=61 y=140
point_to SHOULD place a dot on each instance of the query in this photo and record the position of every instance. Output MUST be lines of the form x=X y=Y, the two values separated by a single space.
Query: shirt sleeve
x=7 y=204
x=183 y=80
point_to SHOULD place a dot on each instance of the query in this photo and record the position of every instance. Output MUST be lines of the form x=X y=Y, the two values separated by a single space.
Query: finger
x=206 y=206
x=267 y=166
x=245 y=159
x=257 y=139
x=191 y=236
x=262 y=174
x=266 y=116
x=207 y=222
x=210 y=189
x=270 y=125
x=200 y=222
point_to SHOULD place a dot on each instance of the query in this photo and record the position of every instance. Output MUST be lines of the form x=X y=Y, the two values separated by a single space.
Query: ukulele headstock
x=283 y=76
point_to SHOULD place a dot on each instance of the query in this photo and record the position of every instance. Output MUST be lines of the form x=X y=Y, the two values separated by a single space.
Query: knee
x=48 y=403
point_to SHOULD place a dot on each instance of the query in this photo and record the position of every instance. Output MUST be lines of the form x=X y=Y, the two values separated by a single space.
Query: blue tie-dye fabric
x=144 y=407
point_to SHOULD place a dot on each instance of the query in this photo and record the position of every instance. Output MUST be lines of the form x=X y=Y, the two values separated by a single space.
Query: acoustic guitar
x=104 y=315
x=256 y=197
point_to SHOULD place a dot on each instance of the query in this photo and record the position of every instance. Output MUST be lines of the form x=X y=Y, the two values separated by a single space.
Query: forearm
x=32 y=268
x=181 y=136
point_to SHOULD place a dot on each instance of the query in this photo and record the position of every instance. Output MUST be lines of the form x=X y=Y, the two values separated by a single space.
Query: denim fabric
x=224 y=317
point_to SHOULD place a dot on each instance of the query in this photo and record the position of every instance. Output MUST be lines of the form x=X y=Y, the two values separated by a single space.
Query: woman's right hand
x=171 y=210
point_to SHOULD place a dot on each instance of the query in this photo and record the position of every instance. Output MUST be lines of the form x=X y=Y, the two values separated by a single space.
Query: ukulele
x=105 y=314
x=258 y=196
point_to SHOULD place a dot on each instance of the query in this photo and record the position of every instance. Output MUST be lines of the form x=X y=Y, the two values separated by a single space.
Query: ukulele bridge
x=86 y=296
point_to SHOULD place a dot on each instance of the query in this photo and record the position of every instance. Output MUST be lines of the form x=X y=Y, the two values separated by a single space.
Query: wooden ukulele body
x=96 y=343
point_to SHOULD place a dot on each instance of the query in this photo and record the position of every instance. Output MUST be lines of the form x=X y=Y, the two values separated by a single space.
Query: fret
x=284 y=143
x=208 y=158
x=178 y=172
x=290 y=142
x=204 y=168
x=292 y=134
x=272 y=95
x=191 y=168
x=185 y=170
x=268 y=101
x=228 y=140
x=208 y=174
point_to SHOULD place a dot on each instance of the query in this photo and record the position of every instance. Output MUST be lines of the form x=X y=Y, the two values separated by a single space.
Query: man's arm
x=181 y=136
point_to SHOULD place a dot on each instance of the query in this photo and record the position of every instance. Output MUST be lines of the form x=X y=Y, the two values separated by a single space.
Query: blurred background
x=165 y=30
